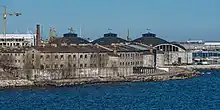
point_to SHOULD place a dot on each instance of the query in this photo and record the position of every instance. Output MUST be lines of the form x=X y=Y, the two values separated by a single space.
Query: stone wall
x=51 y=74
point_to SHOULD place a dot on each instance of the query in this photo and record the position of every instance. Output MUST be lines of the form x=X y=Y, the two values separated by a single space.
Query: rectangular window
x=81 y=65
x=85 y=65
x=74 y=56
x=56 y=57
x=47 y=57
x=61 y=57
x=81 y=56
x=56 y=66
x=47 y=66
x=69 y=56
x=74 y=65
x=32 y=56
x=41 y=57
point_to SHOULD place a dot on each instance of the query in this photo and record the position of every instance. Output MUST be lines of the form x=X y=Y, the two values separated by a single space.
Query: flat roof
x=9 y=36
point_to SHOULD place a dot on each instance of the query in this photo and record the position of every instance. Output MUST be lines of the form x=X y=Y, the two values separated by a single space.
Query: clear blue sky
x=170 y=19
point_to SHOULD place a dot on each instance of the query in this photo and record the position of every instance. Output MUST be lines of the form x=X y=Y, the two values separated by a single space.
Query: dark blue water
x=200 y=93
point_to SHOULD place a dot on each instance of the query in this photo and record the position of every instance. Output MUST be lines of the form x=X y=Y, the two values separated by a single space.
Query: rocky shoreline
x=81 y=81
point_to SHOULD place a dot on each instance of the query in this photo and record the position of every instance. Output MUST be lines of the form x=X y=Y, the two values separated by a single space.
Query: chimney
x=38 y=39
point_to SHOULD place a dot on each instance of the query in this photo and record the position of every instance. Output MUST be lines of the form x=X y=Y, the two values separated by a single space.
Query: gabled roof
x=108 y=39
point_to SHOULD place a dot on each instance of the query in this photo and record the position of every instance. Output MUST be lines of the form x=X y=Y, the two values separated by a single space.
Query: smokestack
x=38 y=39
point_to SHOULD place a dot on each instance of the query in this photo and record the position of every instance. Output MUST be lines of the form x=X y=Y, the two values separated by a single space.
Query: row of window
x=13 y=44
x=69 y=66
x=13 y=54
x=129 y=55
x=16 y=61
x=132 y=63
x=168 y=48
x=69 y=56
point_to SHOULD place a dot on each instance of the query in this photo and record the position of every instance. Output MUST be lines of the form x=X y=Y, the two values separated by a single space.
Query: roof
x=123 y=48
x=180 y=46
x=150 y=39
x=72 y=49
x=17 y=36
x=108 y=39
x=70 y=38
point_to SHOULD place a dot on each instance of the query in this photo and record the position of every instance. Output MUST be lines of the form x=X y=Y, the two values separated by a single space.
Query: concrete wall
x=51 y=74
x=172 y=57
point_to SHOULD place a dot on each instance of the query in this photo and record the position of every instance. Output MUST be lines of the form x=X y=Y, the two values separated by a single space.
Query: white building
x=17 y=40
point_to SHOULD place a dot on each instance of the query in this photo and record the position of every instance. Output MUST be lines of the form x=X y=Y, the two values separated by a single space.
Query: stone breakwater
x=97 y=80
x=148 y=78
x=15 y=83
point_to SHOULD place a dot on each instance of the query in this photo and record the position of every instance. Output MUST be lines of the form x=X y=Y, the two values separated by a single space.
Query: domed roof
x=70 y=38
x=109 y=39
x=70 y=35
x=150 y=39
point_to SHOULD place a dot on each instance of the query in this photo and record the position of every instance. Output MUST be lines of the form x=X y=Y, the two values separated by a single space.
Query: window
x=55 y=66
x=56 y=57
x=91 y=56
x=47 y=56
x=74 y=56
x=69 y=66
x=90 y=65
x=61 y=57
x=85 y=65
x=74 y=65
x=69 y=56
x=81 y=56
x=47 y=66
x=33 y=56
x=61 y=66
x=81 y=65
x=41 y=57
x=41 y=66
x=85 y=56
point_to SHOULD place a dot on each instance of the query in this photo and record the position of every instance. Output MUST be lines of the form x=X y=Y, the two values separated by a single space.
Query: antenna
x=109 y=30
x=128 y=36
x=80 y=31
x=148 y=30
x=71 y=30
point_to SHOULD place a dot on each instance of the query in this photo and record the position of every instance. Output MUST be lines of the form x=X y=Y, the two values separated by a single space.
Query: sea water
x=199 y=93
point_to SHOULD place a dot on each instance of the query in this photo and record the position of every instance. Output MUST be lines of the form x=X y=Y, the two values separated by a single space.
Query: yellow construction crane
x=5 y=17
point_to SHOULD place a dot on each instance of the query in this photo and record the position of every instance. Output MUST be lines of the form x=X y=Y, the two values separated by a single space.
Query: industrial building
x=173 y=53
x=17 y=40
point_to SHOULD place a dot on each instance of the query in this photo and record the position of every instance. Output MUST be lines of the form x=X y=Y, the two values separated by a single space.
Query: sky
x=172 y=20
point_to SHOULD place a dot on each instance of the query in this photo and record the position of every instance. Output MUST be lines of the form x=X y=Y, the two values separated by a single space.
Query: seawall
x=98 y=80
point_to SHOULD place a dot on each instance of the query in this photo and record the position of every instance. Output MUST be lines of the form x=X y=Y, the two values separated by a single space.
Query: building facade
x=17 y=40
